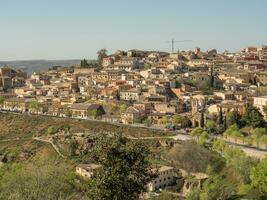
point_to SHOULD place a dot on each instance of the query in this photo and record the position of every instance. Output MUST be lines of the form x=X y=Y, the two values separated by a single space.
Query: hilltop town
x=147 y=88
x=202 y=115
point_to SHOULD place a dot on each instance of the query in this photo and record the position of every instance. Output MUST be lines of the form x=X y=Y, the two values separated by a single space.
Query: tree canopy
x=2 y=100
x=102 y=53
x=193 y=157
x=253 y=117
x=125 y=169
x=259 y=176
x=233 y=118
x=42 y=181
x=34 y=106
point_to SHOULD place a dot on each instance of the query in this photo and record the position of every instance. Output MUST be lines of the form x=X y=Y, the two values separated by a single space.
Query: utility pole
x=178 y=41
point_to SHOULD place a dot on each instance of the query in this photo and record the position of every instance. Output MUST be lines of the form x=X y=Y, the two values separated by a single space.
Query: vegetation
x=2 y=100
x=233 y=118
x=126 y=164
x=95 y=113
x=102 y=53
x=200 y=135
x=193 y=157
x=34 y=106
x=84 y=63
x=125 y=169
x=51 y=130
x=253 y=117
x=11 y=126
x=42 y=180
x=211 y=126
x=259 y=177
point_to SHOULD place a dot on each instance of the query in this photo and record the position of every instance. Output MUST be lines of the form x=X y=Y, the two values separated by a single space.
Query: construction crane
x=177 y=41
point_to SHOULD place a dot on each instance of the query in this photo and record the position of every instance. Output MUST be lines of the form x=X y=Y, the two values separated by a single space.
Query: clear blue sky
x=66 y=29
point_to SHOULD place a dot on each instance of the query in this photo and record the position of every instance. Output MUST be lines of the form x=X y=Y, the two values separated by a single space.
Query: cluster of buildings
x=166 y=176
x=153 y=86
x=177 y=180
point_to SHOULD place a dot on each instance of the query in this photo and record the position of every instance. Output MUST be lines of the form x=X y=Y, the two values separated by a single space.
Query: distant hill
x=38 y=65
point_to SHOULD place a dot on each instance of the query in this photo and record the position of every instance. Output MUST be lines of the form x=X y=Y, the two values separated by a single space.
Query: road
x=180 y=135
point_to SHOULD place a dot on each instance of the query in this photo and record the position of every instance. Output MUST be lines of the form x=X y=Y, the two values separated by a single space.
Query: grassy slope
x=24 y=127
x=12 y=125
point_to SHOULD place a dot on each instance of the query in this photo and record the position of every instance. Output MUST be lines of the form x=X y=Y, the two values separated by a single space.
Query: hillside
x=17 y=132
x=38 y=65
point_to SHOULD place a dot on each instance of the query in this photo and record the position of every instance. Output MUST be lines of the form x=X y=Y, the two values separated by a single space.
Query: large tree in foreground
x=125 y=169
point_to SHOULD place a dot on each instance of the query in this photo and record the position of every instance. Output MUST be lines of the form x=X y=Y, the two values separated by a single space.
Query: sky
x=75 y=29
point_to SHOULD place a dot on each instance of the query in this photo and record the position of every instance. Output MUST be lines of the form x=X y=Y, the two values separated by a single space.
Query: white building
x=166 y=177
x=260 y=102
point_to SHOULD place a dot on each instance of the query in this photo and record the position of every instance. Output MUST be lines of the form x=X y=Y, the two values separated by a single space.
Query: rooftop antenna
x=177 y=41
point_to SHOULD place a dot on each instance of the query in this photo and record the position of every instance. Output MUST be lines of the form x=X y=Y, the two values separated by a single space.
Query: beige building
x=260 y=102
x=166 y=177
x=130 y=95
x=17 y=104
x=165 y=108
x=87 y=170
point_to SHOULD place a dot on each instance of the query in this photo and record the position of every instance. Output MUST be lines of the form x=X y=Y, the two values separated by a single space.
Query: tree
x=202 y=120
x=102 y=53
x=194 y=158
x=200 y=135
x=51 y=130
x=2 y=100
x=176 y=119
x=95 y=113
x=233 y=118
x=217 y=187
x=122 y=108
x=196 y=132
x=263 y=140
x=259 y=176
x=164 y=120
x=47 y=180
x=84 y=63
x=35 y=106
x=147 y=66
x=232 y=131
x=257 y=135
x=73 y=145
x=220 y=116
x=239 y=163
x=211 y=125
x=204 y=136
x=125 y=169
x=253 y=117
x=219 y=145
x=194 y=194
